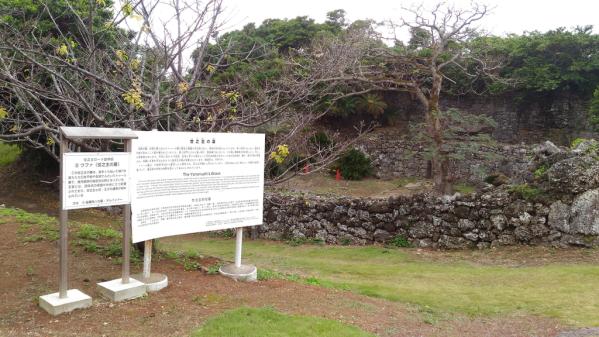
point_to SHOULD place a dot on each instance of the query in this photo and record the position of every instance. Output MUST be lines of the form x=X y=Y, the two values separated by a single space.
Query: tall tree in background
x=69 y=63
x=439 y=48
x=441 y=43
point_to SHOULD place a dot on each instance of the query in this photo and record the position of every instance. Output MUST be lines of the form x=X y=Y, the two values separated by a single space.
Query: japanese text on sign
x=188 y=182
x=95 y=179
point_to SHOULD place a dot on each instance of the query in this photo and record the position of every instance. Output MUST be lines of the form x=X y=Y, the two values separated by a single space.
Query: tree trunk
x=440 y=157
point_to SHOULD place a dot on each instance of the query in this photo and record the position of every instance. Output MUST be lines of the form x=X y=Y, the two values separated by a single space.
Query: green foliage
x=354 y=165
x=312 y=281
x=321 y=140
x=91 y=232
x=266 y=274
x=577 y=142
x=440 y=283
x=559 y=60
x=113 y=249
x=303 y=241
x=32 y=16
x=345 y=241
x=33 y=226
x=526 y=191
x=36 y=227
x=213 y=269
x=540 y=171
x=463 y=135
x=591 y=146
x=253 y=322
x=464 y=189
x=8 y=153
x=400 y=241
x=373 y=104
x=190 y=265
x=89 y=246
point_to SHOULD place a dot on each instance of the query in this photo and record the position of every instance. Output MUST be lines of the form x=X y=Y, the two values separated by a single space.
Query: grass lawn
x=266 y=322
x=8 y=153
x=568 y=291
x=324 y=184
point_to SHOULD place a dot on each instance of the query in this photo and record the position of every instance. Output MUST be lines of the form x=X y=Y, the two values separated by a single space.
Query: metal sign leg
x=153 y=281
x=64 y=265
x=237 y=270
x=238 y=244
x=147 y=259
x=64 y=300
x=126 y=245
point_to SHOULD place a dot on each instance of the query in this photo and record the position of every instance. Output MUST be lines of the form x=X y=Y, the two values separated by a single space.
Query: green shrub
x=540 y=171
x=345 y=241
x=8 y=153
x=400 y=241
x=321 y=140
x=354 y=165
x=213 y=269
x=189 y=265
x=113 y=249
x=302 y=241
x=591 y=148
x=526 y=191
x=312 y=281
x=576 y=142
x=91 y=232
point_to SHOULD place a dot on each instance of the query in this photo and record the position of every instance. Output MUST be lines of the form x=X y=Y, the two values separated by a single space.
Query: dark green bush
x=400 y=241
x=354 y=165
x=321 y=140
x=526 y=191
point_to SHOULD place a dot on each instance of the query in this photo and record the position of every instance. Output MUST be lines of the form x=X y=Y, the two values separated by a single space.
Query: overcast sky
x=508 y=16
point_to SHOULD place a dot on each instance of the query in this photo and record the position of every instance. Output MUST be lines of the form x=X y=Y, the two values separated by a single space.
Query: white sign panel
x=95 y=179
x=188 y=182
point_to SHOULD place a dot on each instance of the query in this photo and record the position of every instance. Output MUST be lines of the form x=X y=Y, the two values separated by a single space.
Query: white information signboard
x=95 y=179
x=188 y=182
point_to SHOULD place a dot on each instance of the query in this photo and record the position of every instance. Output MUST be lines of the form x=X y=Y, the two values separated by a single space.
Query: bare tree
x=439 y=44
x=448 y=29
x=135 y=71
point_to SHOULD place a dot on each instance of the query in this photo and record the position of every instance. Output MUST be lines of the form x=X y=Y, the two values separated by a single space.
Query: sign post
x=237 y=270
x=88 y=180
x=153 y=281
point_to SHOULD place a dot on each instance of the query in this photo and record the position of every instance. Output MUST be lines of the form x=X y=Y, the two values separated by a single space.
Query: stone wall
x=493 y=218
x=564 y=211
x=559 y=118
x=393 y=156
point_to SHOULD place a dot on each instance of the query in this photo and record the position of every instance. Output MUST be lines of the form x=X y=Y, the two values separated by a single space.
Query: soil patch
x=30 y=269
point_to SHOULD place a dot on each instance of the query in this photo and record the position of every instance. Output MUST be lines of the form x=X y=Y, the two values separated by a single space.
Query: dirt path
x=30 y=270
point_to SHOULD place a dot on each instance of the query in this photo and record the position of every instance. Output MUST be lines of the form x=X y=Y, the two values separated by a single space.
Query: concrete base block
x=153 y=283
x=116 y=290
x=55 y=305
x=246 y=273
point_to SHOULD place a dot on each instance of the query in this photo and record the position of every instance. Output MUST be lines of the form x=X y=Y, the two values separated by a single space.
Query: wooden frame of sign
x=66 y=300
